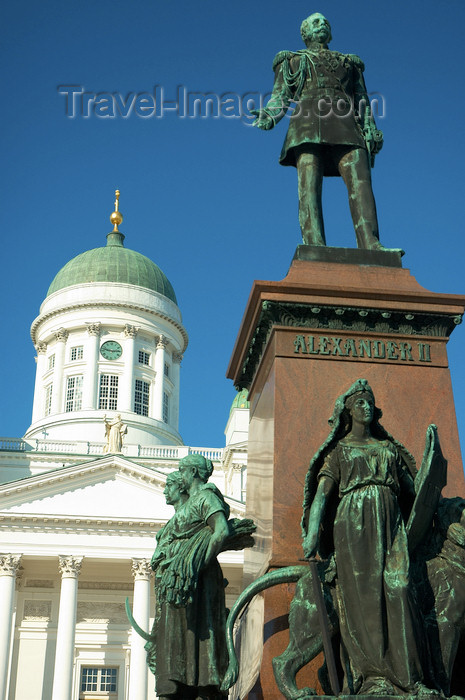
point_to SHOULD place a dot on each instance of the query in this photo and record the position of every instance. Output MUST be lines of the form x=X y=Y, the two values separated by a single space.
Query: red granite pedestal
x=302 y=342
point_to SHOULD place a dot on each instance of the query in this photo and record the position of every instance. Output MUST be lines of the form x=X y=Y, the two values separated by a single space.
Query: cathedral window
x=101 y=680
x=144 y=357
x=166 y=407
x=51 y=361
x=141 y=397
x=108 y=394
x=74 y=393
x=77 y=353
x=48 y=398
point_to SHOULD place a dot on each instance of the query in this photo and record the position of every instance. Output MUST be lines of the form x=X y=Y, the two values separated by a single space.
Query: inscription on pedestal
x=362 y=348
x=378 y=335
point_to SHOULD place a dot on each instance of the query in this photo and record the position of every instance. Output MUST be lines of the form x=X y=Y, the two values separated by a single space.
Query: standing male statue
x=332 y=131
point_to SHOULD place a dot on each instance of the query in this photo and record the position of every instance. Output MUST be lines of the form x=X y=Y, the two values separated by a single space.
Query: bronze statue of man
x=332 y=130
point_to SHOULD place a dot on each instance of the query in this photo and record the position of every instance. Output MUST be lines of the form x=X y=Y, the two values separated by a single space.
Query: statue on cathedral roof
x=115 y=430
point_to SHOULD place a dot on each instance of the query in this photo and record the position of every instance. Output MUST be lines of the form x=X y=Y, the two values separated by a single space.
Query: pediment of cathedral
x=110 y=488
x=110 y=491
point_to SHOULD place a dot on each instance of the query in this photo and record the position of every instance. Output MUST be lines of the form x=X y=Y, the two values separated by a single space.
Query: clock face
x=111 y=350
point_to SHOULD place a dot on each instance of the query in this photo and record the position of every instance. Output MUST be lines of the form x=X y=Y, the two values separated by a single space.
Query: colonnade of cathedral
x=69 y=568
x=55 y=374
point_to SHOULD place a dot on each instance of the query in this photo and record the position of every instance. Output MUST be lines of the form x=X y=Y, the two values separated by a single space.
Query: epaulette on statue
x=281 y=56
x=357 y=61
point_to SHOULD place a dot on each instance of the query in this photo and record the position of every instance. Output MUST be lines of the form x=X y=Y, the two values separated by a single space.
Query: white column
x=64 y=656
x=176 y=367
x=125 y=399
x=141 y=570
x=89 y=390
x=57 y=392
x=9 y=564
x=159 y=378
x=38 y=404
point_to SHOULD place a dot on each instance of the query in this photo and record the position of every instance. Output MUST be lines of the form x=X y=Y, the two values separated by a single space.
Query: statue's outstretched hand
x=263 y=120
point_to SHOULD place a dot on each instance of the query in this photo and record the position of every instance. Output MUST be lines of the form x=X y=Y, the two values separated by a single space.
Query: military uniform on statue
x=332 y=131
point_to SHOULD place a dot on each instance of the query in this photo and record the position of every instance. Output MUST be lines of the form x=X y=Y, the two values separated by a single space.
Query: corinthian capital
x=9 y=564
x=177 y=358
x=93 y=328
x=130 y=331
x=61 y=335
x=162 y=341
x=141 y=569
x=41 y=348
x=70 y=567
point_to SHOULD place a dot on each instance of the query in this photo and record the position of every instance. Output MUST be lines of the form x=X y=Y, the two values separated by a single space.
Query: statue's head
x=195 y=466
x=316 y=28
x=359 y=390
x=174 y=488
x=360 y=398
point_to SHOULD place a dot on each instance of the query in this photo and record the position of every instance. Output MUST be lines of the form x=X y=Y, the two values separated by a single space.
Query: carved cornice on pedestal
x=69 y=566
x=141 y=569
x=9 y=564
x=343 y=318
x=93 y=328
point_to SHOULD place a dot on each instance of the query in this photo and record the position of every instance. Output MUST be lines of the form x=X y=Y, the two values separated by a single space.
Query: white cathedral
x=81 y=494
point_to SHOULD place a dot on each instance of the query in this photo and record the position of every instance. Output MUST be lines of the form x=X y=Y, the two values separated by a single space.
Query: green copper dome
x=113 y=263
x=241 y=400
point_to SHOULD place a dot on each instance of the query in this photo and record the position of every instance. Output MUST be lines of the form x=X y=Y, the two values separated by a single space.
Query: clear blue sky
x=206 y=198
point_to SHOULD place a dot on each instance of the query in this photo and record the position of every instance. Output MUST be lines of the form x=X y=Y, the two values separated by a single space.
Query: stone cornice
x=106 y=305
x=116 y=527
x=32 y=522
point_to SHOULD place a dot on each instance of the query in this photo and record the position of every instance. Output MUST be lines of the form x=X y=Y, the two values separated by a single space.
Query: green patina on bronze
x=187 y=647
x=392 y=565
x=331 y=132
x=113 y=263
